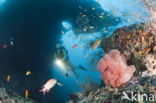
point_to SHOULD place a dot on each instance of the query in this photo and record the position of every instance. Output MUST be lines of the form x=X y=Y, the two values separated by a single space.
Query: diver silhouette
x=62 y=55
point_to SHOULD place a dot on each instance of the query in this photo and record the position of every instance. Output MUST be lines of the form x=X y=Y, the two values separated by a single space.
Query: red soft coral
x=114 y=70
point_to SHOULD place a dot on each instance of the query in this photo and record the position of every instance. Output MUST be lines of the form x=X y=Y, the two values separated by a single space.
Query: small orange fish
x=97 y=43
x=143 y=42
x=67 y=27
x=84 y=29
x=108 y=15
x=91 y=27
x=26 y=93
x=124 y=15
x=8 y=78
x=101 y=17
x=145 y=50
x=83 y=15
x=87 y=37
x=63 y=32
x=148 y=49
x=140 y=52
x=154 y=48
x=114 y=12
x=86 y=56
x=74 y=46
x=93 y=8
x=140 y=31
x=80 y=36
x=127 y=46
x=128 y=36
x=151 y=37
x=144 y=33
x=133 y=34
x=28 y=73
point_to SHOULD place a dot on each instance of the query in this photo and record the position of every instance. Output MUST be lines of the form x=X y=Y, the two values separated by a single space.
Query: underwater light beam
x=1 y=1
x=60 y=63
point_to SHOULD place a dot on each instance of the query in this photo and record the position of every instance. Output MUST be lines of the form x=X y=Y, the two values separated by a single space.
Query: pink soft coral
x=114 y=70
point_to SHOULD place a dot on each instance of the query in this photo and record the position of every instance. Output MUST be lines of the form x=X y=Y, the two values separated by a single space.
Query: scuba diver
x=62 y=55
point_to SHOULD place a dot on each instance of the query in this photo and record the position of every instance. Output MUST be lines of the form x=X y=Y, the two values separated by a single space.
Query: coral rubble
x=7 y=95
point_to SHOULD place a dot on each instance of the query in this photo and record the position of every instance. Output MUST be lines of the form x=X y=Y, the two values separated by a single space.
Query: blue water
x=77 y=55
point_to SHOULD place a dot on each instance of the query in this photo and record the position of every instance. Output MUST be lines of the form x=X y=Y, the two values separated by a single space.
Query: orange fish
x=81 y=36
x=128 y=36
x=139 y=31
x=148 y=49
x=67 y=27
x=28 y=73
x=145 y=49
x=154 y=48
x=144 y=33
x=86 y=56
x=151 y=37
x=97 y=43
x=91 y=27
x=140 y=52
x=8 y=78
x=63 y=32
x=101 y=17
x=83 y=15
x=74 y=46
x=84 y=29
x=127 y=46
x=143 y=42
x=26 y=93
x=114 y=12
x=93 y=8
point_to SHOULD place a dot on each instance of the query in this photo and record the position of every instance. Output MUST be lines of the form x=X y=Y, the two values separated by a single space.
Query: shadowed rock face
x=7 y=95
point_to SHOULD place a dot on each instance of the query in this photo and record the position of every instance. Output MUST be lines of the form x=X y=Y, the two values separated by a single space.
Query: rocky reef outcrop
x=7 y=95
x=137 y=47
x=135 y=43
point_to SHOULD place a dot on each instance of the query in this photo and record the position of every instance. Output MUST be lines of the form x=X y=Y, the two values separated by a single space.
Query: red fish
x=48 y=85
x=74 y=46
x=5 y=46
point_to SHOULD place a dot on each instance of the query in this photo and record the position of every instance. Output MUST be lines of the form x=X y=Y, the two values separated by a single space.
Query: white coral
x=150 y=63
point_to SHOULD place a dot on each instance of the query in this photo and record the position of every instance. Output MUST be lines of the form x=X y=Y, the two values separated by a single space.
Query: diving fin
x=59 y=84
